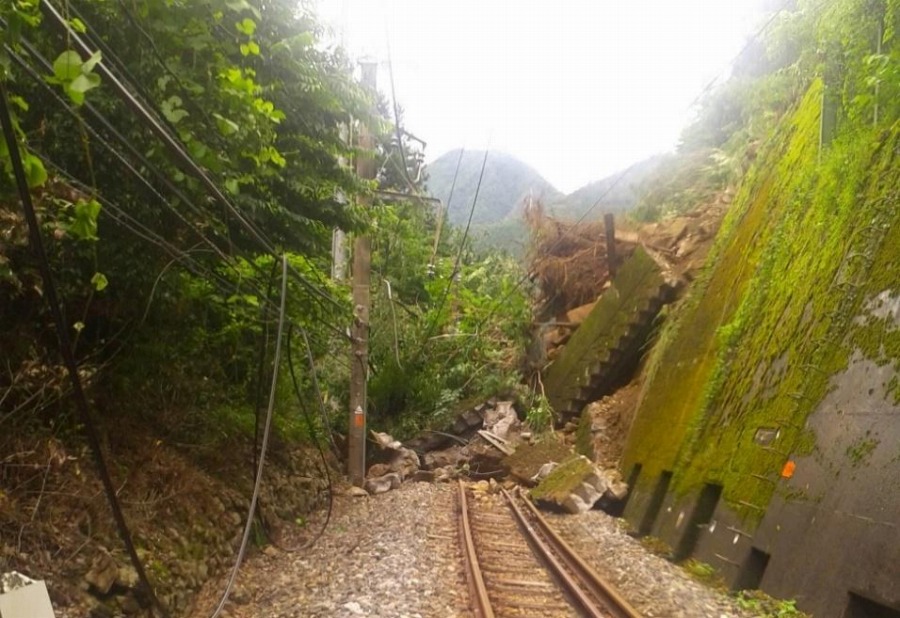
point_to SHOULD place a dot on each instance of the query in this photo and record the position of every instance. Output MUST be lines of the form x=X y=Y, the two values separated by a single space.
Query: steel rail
x=478 y=591
x=596 y=596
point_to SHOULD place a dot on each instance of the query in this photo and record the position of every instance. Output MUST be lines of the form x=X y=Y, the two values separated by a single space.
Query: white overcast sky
x=578 y=89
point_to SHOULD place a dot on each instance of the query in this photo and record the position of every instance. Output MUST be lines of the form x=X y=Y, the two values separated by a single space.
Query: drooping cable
x=313 y=433
x=67 y=352
x=251 y=512
x=228 y=260
x=261 y=366
x=178 y=152
x=445 y=212
x=462 y=244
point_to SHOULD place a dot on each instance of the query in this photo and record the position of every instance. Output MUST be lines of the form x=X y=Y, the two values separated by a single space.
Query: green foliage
x=76 y=77
x=257 y=101
x=540 y=415
x=704 y=573
x=433 y=346
x=807 y=243
x=766 y=607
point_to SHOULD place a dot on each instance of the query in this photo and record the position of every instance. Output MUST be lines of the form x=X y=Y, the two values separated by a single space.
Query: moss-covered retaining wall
x=787 y=353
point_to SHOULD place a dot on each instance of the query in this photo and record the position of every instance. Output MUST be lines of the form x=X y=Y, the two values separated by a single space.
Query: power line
x=178 y=152
x=228 y=260
x=625 y=172
x=443 y=214
x=248 y=526
x=459 y=252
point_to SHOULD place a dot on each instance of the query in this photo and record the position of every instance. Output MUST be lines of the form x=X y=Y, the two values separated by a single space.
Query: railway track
x=516 y=565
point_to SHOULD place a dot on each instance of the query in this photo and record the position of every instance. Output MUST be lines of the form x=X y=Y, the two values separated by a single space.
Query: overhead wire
x=181 y=156
x=759 y=32
x=445 y=212
x=125 y=143
x=462 y=244
x=142 y=231
x=313 y=434
x=180 y=256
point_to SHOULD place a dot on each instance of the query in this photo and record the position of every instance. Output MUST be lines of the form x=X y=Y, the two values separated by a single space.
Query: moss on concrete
x=807 y=244
x=584 y=438
x=637 y=282
x=527 y=460
x=567 y=477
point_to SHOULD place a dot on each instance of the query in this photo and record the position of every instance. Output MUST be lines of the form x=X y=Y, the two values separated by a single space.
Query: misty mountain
x=617 y=192
x=507 y=183
x=497 y=221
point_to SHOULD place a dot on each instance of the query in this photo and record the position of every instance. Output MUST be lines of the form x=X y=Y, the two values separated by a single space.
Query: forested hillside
x=187 y=164
x=506 y=184
x=617 y=193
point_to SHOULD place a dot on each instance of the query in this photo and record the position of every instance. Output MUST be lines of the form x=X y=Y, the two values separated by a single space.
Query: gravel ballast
x=396 y=555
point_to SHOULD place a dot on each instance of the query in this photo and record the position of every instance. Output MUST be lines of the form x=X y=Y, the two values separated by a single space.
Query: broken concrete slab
x=577 y=484
x=528 y=459
x=21 y=597
x=396 y=458
x=383 y=484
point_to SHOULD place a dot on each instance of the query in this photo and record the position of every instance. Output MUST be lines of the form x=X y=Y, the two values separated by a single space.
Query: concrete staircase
x=604 y=352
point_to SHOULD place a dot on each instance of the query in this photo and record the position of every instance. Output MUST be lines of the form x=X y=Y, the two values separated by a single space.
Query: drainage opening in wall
x=859 y=606
x=656 y=502
x=752 y=571
x=700 y=518
x=633 y=477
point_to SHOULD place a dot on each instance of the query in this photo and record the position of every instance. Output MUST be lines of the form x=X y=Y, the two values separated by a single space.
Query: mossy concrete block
x=528 y=458
x=637 y=284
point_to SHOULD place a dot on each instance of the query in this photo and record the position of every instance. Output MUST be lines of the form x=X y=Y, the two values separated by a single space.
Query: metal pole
x=359 y=331
x=609 y=223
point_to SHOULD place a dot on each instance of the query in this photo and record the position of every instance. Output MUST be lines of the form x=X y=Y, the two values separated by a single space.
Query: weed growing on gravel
x=656 y=546
x=704 y=573
x=767 y=607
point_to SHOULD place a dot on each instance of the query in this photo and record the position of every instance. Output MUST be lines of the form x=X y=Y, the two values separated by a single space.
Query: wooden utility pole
x=609 y=223
x=359 y=331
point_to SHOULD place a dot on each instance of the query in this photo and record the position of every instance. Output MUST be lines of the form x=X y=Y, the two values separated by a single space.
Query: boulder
x=544 y=471
x=385 y=440
x=103 y=573
x=441 y=459
x=383 y=484
x=396 y=458
x=405 y=462
x=578 y=314
x=577 y=484
x=376 y=470
x=501 y=419
x=529 y=458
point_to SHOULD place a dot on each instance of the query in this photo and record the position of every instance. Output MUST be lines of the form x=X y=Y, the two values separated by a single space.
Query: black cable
x=459 y=252
x=313 y=433
x=65 y=342
x=144 y=161
x=265 y=443
x=261 y=365
x=189 y=97
x=440 y=227
x=177 y=151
